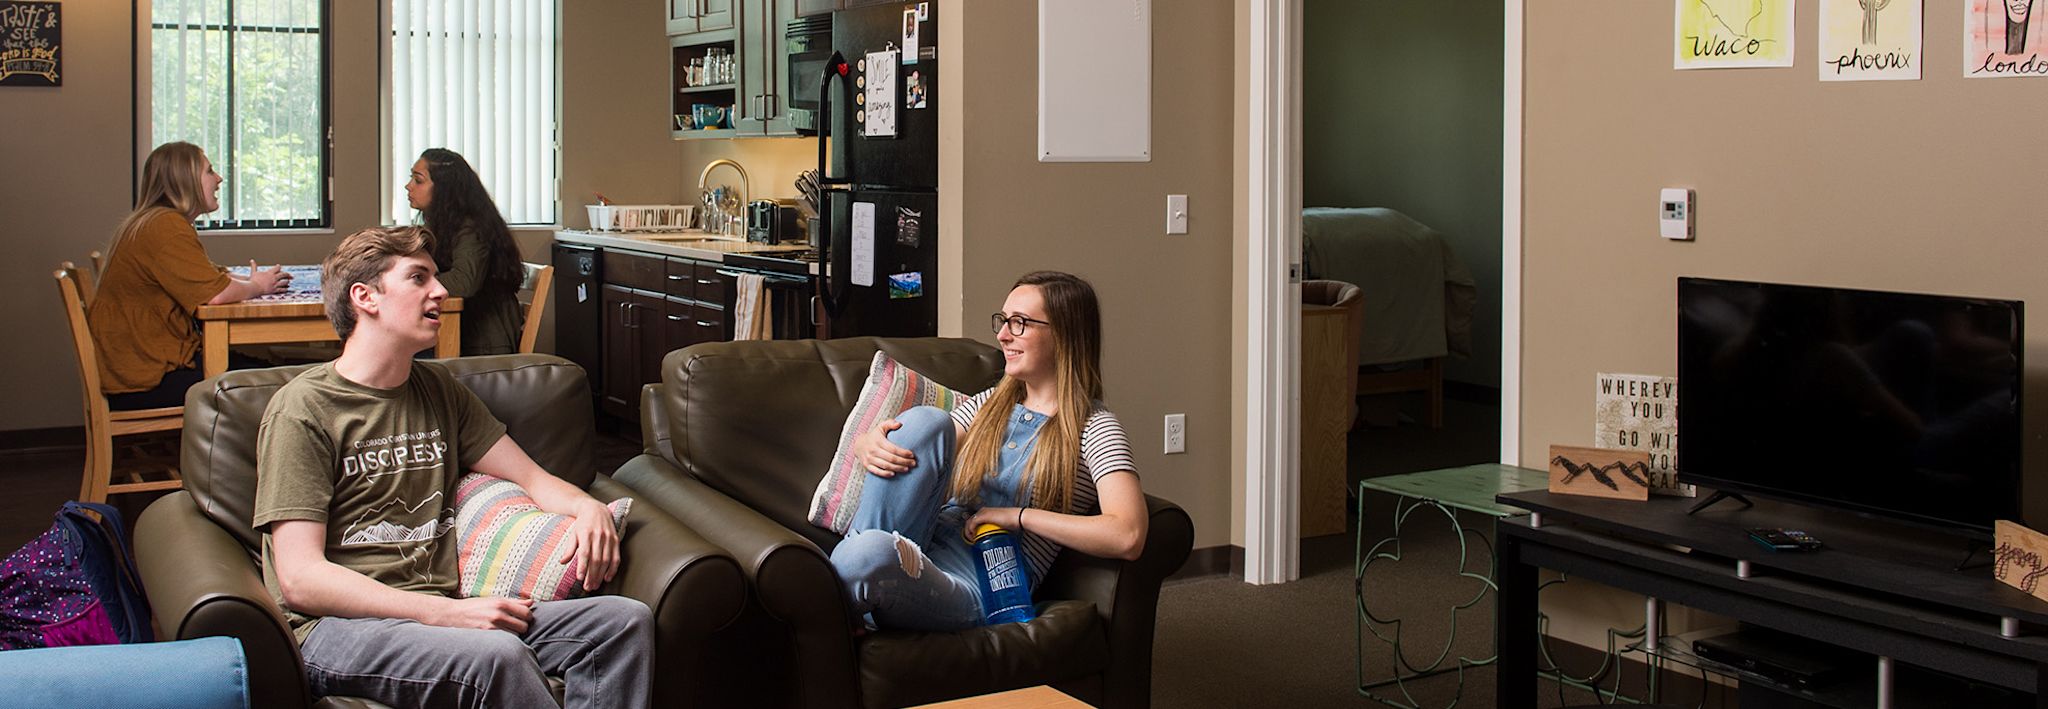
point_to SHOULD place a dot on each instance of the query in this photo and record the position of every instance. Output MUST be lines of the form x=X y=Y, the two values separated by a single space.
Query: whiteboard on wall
x=1094 y=80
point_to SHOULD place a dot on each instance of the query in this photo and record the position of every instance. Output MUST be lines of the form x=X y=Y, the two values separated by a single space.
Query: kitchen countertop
x=690 y=244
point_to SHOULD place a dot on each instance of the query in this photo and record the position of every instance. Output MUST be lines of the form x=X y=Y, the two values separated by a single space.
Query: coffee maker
x=772 y=221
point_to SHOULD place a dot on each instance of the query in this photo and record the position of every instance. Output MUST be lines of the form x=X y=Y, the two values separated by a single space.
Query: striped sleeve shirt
x=1104 y=450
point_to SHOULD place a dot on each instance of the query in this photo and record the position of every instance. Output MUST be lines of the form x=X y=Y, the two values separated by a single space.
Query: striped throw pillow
x=891 y=389
x=509 y=548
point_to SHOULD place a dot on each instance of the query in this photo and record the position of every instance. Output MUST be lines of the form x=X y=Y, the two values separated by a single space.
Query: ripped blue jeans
x=904 y=561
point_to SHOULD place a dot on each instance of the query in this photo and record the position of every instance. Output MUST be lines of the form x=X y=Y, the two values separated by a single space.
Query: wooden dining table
x=302 y=318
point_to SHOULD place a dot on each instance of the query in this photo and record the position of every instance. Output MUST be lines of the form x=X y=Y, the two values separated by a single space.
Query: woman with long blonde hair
x=1037 y=455
x=156 y=277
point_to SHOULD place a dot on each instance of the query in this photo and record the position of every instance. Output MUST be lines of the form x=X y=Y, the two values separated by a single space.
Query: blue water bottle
x=1005 y=578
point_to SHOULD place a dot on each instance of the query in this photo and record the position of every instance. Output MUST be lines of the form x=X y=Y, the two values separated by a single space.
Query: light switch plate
x=1176 y=433
x=1176 y=214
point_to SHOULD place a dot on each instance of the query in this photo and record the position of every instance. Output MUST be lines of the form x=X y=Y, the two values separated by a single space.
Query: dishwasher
x=579 y=311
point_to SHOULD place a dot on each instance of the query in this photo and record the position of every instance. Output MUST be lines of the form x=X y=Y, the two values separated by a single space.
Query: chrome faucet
x=725 y=221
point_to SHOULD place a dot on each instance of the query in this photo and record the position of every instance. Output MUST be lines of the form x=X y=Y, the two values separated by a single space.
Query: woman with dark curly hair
x=473 y=248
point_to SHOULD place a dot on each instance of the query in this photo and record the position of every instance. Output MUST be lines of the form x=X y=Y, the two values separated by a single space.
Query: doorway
x=1434 y=94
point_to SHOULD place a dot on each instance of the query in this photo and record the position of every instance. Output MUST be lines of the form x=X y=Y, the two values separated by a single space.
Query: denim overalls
x=905 y=529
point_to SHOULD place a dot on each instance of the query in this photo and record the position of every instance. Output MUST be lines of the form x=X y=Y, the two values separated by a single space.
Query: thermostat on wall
x=1674 y=213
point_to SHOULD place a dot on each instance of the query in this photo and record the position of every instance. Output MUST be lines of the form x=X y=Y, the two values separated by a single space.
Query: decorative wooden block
x=2021 y=558
x=1600 y=472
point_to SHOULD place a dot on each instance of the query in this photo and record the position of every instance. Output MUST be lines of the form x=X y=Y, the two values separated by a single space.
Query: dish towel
x=750 y=308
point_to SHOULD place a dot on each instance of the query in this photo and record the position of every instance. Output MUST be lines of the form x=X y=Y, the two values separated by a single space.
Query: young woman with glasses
x=1037 y=455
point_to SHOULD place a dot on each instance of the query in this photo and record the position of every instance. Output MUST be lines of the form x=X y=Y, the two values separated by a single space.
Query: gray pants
x=602 y=647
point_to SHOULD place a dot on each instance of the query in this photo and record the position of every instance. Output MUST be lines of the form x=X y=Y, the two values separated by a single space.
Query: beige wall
x=79 y=139
x=1914 y=186
x=1167 y=305
x=1240 y=252
x=64 y=187
x=772 y=165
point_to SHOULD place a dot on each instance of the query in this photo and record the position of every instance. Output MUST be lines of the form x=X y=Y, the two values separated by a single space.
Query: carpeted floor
x=1220 y=642
x=1224 y=643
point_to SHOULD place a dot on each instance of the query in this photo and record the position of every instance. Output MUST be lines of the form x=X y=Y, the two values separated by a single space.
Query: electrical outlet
x=1176 y=433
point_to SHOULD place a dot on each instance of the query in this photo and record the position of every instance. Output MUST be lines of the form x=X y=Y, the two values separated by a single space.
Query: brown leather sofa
x=198 y=555
x=738 y=435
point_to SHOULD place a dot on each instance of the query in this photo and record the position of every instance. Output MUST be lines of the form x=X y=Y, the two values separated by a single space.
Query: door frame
x=1272 y=268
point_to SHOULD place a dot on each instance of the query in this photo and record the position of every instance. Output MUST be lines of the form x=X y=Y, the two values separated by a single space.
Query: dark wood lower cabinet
x=655 y=306
x=632 y=329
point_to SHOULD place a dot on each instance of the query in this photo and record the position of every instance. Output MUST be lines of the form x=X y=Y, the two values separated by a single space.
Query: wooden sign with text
x=1600 y=472
x=1640 y=412
x=2021 y=558
x=30 y=42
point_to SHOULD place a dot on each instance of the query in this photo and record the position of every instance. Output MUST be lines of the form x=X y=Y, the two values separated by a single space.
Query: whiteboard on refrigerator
x=1094 y=80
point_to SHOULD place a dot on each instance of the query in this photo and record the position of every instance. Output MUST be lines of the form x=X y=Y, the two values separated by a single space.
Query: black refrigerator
x=882 y=196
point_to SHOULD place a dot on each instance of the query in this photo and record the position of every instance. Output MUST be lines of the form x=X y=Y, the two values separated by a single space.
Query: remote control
x=1778 y=539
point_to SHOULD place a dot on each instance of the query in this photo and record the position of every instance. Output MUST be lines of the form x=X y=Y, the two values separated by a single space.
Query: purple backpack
x=74 y=585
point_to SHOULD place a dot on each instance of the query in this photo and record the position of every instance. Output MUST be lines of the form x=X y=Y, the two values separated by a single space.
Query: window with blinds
x=479 y=78
x=246 y=80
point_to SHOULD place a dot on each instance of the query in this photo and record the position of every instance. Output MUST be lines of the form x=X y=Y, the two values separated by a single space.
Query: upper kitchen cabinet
x=692 y=16
x=764 y=84
x=754 y=100
x=705 y=72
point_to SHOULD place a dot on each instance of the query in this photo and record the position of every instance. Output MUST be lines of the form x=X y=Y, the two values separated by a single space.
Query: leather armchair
x=199 y=558
x=738 y=435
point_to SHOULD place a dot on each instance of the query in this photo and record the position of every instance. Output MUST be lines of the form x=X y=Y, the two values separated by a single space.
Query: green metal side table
x=1448 y=491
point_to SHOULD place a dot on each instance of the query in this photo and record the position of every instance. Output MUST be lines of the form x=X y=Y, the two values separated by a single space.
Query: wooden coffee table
x=1039 y=697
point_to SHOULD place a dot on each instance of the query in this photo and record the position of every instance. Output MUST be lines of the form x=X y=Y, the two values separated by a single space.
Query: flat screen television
x=1901 y=405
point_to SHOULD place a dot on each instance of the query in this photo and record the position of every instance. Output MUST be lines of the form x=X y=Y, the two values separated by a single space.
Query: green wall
x=1402 y=109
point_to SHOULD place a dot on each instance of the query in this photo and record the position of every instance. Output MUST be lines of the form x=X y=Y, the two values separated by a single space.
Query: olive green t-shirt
x=377 y=466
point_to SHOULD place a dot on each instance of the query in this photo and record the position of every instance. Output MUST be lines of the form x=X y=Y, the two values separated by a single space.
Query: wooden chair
x=83 y=279
x=99 y=263
x=103 y=425
x=539 y=281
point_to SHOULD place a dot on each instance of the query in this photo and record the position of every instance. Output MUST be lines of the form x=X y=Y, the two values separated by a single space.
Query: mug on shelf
x=710 y=116
x=685 y=121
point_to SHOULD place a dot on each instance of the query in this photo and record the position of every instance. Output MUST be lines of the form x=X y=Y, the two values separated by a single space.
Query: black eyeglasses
x=1017 y=323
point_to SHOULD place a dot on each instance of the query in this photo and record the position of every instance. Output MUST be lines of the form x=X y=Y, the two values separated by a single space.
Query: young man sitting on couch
x=357 y=466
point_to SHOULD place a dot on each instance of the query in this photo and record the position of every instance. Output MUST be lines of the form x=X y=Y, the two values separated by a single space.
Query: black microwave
x=808 y=43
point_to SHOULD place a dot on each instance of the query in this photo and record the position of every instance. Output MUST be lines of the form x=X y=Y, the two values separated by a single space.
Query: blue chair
x=204 y=673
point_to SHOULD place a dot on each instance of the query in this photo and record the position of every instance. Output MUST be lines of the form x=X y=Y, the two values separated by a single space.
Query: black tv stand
x=1970 y=549
x=1718 y=496
x=1879 y=587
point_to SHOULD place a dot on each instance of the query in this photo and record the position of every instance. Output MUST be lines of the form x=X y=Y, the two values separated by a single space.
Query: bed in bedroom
x=1418 y=296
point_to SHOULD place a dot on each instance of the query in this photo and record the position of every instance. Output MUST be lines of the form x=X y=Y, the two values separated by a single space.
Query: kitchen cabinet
x=764 y=64
x=654 y=305
x=631 y=331
x=717 y=15
x=806 y=8
x=687 y=323
x=682 y=16
x=753 y=32
x=691 y=16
